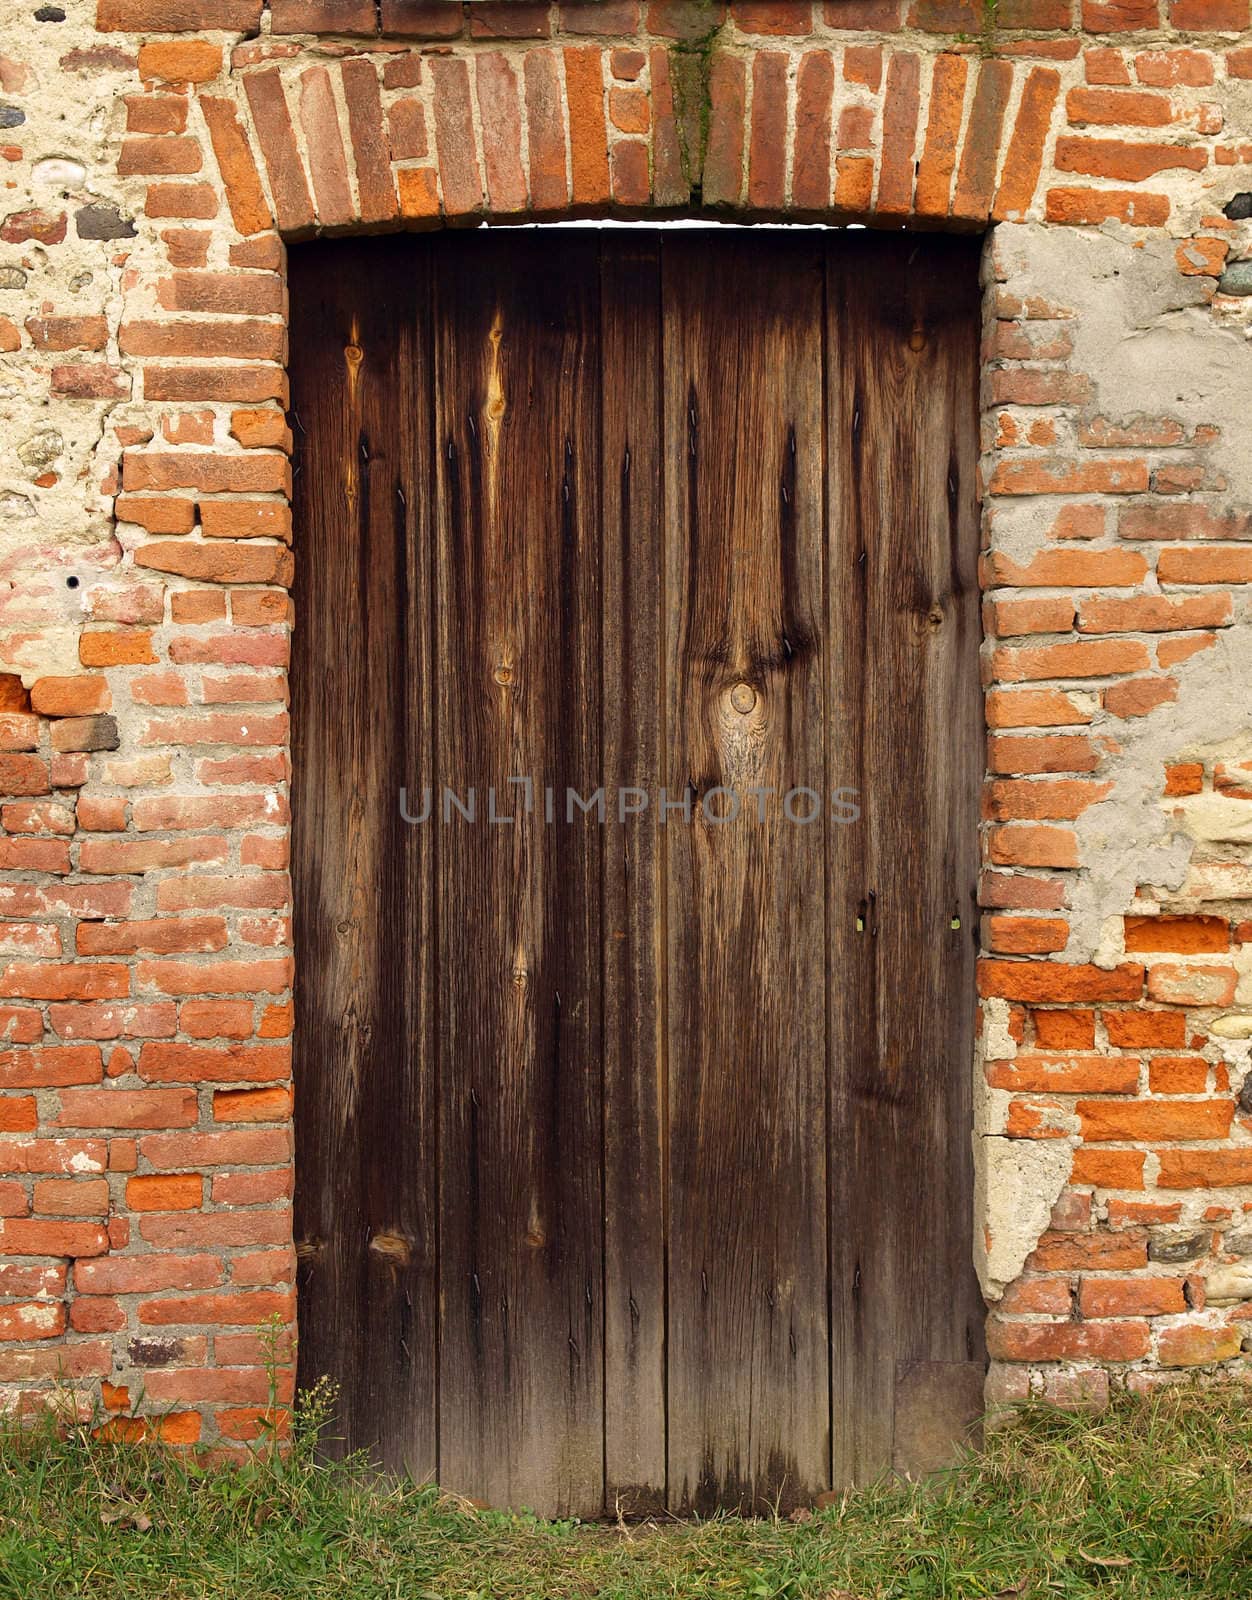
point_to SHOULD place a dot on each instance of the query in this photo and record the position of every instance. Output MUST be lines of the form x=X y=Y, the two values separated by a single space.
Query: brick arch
x=851 y=132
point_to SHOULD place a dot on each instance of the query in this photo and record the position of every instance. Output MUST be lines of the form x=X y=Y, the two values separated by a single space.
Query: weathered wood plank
x=634 y=1082
x=518 y=692
x=748 y=1419
x=364 y=1205
x=906 y=730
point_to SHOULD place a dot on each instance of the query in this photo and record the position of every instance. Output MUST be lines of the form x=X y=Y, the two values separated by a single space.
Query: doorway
x=637 y=748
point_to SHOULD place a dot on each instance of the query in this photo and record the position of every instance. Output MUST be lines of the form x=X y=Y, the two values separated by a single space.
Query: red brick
x=1205 y=1169
x=1137 y=1030
x=216 y=1230
x=180 y=60
x=244 y=338
x=1026 y=935
x=32 y=1319
x=1103 y=64
x=239 y=383
x=86 y=382
x=1034 y=800
x=166 y=154
x=1128 y=108
x=1192 y=520
x=1108 y=1169
x=236 y=1063
x=376 y=190
x=165 y=1192
x=251 y=1105
x=628 y=172
x=406 y=129
x=811 y=168
x=454 y=137
x=584 y=90
x=545 y=125
x=901 y=105
x=146 y=1274
x=243 y=1147
x=1085 y=658
x=68 y=333
x=1066 y=1341
x=50 y=1067
x=1120 y=158
x=1023 y=161
x=1209 y=16
x=1131 y=1297
x=72 y=1197
x=1064 y=1030
x=1192 y=986
x=1058 y=752
x=1191 y=1346
x=1120 y=16
x=22 y=1236
x=1036 y=981
x=322 y=16
x=272 y=119
x=1068 y=1074
x=773 y=16
x=509 y=19
x=157 y=113
x=938 y=158
x=218 y=563
x=1032 y=708
x=249 y=208
x=250 y=1189
x=1178 y=1075
x=127 y=1108
x=198 y=200
x=1191 y=935
x=178 y=16
x=1102 y=476
x=600 y=16
x=976 y=176
x=499 y=106
x=1139 y=1122
x=723 y=161
x=768 y=142
x=422 y=19
x=1093 y=206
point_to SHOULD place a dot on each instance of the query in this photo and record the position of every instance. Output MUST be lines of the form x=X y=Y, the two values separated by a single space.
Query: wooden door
x=633 y=1129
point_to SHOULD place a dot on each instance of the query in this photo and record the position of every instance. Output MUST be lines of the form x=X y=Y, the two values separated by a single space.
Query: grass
x=1151 y=1498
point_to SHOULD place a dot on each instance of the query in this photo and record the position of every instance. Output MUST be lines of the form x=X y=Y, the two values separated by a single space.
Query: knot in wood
x=743 y=698
x=393 y=1247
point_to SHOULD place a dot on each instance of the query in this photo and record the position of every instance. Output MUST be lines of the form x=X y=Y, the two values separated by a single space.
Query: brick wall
x=156 y=156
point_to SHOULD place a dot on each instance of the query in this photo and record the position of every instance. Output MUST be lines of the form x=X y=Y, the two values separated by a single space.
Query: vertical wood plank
x=748 y=1352
x=518 y=689
x=364 y=1105
x=634 y=1084
x=906 y=722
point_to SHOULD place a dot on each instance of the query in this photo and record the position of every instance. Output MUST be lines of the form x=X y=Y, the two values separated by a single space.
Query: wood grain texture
x=634 y=923
x=902 y=322
x=518 y=693
x=746 y=931
x=633 y=1157
x=364 y=1075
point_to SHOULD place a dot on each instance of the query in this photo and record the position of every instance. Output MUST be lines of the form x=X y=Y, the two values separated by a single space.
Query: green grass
x=1152 y=1498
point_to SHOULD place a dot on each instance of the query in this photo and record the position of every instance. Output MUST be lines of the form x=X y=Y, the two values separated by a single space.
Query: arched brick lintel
x=408 y=140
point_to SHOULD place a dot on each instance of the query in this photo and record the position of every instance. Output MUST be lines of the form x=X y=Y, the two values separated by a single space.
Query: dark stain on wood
x=633 y=1157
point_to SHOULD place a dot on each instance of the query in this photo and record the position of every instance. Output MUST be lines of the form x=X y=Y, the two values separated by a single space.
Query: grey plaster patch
x=1016 y=1184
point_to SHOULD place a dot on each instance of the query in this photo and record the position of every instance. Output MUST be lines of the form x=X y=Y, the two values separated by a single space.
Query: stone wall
x=155 y=158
